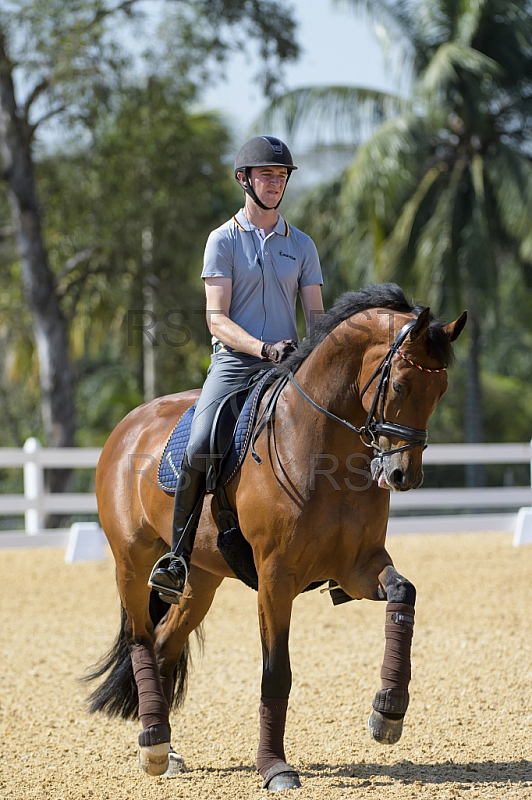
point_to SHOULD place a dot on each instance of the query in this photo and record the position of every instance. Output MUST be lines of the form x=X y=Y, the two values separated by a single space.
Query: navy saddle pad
x=172 y=457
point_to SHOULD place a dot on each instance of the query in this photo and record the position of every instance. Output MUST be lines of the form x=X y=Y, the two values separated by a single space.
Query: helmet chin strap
x=250 y=190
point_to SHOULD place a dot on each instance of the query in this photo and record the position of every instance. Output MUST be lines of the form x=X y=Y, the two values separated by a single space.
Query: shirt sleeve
x=218 y=257
x=310 y=268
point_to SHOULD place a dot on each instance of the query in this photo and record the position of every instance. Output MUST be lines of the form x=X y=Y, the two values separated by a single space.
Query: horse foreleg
x=275 y=607
x=391 y=702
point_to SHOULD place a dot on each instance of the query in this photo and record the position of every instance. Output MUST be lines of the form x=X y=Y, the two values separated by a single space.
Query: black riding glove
x=279 y=351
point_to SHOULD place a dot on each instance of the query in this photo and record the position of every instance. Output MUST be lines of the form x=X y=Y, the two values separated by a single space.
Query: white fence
x=428 y=510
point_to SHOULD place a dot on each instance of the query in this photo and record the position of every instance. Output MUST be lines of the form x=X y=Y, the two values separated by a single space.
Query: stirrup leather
x=169 y=595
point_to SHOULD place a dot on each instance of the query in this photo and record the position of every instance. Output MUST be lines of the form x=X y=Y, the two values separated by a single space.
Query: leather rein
x=373 y=427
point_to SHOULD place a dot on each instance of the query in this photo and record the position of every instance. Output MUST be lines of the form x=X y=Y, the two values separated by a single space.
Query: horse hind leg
x=132 y=686
x=153 y=695
x=391 y=701
x=154 y=739
x=170 y=655
x=156 y=755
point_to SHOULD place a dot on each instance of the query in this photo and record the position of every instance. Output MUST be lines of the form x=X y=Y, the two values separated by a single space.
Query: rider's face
x=269 y=184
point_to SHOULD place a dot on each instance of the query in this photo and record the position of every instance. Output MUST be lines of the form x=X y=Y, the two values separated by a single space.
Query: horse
x=348 y=426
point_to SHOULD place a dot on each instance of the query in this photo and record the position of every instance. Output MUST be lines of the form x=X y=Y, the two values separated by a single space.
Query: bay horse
x=357 y=395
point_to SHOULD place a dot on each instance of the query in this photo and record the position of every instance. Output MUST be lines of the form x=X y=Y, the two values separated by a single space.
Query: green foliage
x=129 y=195
x=508 y=408
x=329 y=114
x=448 y=187
x=209 y=30
x=439 y=196
x=19 y=385
x=74 y=60
x=127 y=220
x=63 y=56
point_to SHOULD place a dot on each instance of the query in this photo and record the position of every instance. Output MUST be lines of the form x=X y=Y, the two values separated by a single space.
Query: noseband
x=373 y=427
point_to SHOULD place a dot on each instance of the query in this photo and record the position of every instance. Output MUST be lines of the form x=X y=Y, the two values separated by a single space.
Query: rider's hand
x=279 y=351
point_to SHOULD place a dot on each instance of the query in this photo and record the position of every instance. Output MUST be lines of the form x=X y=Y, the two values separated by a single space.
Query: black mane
x=375 y=295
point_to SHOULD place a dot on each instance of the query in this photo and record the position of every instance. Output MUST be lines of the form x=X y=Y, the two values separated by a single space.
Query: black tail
x=117 y=696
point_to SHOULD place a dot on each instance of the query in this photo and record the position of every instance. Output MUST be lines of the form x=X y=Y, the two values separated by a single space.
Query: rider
x=254 y=267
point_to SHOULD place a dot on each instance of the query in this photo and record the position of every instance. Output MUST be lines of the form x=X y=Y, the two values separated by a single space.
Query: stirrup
x=168 y=595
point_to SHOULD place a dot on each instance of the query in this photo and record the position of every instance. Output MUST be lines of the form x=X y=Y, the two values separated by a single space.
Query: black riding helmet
x=263 y=151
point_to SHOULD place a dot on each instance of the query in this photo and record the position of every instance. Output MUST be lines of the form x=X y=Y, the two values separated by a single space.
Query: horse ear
x=423 y=322
x=454 y=329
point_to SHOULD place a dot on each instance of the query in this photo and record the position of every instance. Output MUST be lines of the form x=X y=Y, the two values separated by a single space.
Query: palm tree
x=441 y=190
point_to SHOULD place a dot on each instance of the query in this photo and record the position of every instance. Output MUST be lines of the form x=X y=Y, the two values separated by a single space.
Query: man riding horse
x=255 y=265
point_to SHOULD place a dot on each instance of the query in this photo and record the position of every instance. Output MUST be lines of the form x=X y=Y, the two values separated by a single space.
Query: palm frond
x=388 y=163
x=402 y=235
x=435 y=266
x=424 y=256
x=469 y=16
x=510 y=177
x=322 y=114
x=447 y=67
x=397 y=26
x=483 y=270
x=397 y=16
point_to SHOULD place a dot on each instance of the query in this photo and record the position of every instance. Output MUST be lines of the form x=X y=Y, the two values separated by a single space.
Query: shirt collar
x=244 y=224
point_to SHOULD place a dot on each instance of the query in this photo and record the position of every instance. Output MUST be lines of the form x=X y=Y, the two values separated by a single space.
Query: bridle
x=375 y=424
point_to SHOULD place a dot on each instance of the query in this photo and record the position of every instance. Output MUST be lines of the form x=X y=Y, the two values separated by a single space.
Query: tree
x=61 y=61
x=19 y=387
x=439 y=197
x=136 y=205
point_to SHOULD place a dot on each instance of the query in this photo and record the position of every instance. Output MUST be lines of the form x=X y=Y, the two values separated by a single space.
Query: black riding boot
x=170 y=574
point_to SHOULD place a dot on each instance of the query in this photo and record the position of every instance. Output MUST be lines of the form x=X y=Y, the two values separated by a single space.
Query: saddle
x=231 y=438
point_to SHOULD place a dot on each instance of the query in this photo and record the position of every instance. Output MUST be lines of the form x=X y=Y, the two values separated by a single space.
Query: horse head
x=377 y=365
x=403 y=376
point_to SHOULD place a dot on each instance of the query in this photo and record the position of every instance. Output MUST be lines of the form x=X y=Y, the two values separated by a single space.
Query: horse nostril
x=397 y=478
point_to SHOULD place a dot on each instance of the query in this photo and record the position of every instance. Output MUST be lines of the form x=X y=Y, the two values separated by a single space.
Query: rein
x=374 y=428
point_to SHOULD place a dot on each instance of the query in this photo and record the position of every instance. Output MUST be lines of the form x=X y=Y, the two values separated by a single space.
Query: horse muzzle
x=397 y=472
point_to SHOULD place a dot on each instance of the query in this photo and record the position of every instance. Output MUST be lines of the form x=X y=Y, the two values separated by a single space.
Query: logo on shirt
x=286 y=255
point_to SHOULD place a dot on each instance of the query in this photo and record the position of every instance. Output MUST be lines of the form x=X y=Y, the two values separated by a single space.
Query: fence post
x=33 y=487
x=523 y=527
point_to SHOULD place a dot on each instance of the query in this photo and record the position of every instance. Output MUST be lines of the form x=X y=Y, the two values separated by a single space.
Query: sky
x=338 y=47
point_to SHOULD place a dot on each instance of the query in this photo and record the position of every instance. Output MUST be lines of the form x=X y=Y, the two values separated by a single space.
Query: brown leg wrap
x=395 y=671
x=168 y=688
x=153 y=706
x=272 y=723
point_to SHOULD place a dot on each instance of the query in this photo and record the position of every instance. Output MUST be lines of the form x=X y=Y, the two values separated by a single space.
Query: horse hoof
x=176 y=764
x=383 y=729
x=287 y=780
x=281 y=776
x=154 y=759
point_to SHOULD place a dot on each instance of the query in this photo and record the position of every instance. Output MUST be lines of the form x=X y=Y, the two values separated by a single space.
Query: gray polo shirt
x=266 y=274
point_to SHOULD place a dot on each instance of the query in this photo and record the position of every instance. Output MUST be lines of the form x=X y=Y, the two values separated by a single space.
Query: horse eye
x=398 y=389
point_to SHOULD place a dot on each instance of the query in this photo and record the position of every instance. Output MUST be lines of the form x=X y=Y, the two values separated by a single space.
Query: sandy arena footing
x=468 y=732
